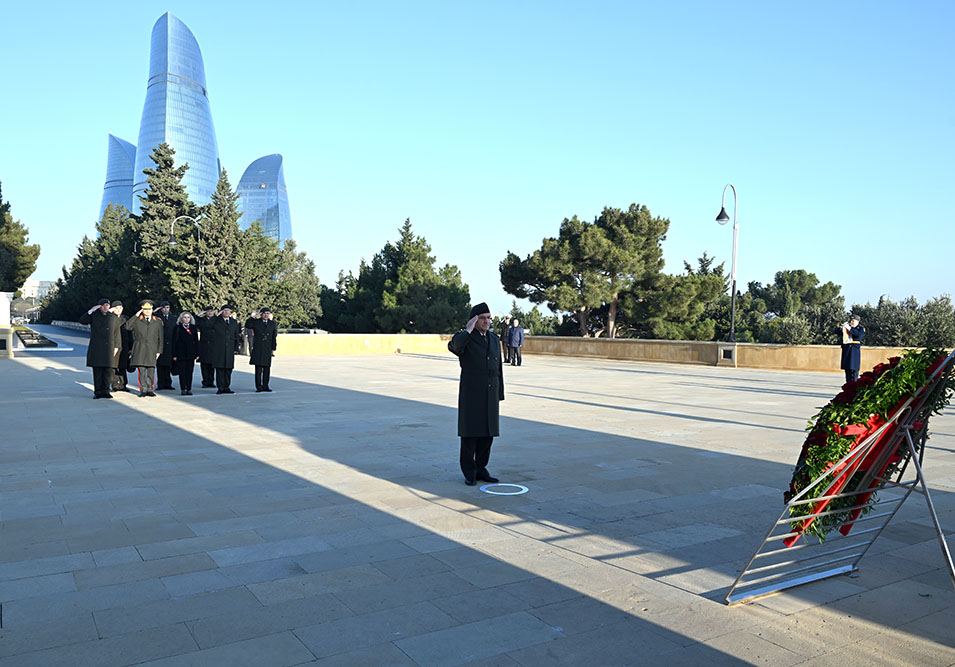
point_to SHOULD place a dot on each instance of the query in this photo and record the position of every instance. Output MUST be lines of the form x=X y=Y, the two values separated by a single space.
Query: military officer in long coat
x=164 y=363
x=262 y=332
x=147 y=345
x=104 y=343
x=480 y=391
x=204 y=324
x=852 y=335
x=225 y=345
x=121 y=358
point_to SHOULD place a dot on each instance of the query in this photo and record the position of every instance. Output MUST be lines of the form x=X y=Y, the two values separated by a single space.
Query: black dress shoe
x=106 y=396
x=188 y=392
x=486 y=477
x=266 y=389
x=220 y=392
x=228 y=391
x=95 y=396
x=258 y=391
x=469 y=481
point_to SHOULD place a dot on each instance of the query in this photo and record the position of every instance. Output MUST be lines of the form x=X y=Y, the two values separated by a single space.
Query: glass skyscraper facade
x=177 y=112
x=121 y=156
x=263 y=197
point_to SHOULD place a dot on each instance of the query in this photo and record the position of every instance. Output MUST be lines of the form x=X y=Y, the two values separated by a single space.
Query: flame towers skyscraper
x=177 y=112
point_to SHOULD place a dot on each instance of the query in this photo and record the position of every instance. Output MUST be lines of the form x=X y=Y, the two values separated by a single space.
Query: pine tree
x=17 y=258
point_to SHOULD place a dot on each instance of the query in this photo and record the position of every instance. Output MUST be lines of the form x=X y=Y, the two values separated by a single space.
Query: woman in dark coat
x=185 y=351
x=264 y=335
x=225 y=345
x=480 y=391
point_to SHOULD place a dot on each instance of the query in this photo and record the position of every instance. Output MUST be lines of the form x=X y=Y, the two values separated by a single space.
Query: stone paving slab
x=327 y=522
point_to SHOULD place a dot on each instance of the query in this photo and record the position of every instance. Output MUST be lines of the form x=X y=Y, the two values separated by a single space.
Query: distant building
x=264 y=197
x=36 y=289
x=121 y=157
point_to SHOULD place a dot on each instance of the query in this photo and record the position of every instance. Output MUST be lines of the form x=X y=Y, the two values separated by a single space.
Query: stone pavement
x=328 y=523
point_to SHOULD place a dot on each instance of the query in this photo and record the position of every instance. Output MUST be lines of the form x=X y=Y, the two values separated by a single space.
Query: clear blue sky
x=488 y=123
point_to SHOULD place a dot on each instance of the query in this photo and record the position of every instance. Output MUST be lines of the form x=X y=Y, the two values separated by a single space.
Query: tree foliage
x=132 y=258
x=399 y=291
x=590 y=265
x=907 y=324
x=17 y=256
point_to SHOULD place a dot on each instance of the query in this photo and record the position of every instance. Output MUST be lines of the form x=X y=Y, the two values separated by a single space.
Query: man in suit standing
x=147 y=345
x=515 y=340
x=104 y=343
x=852 y=335
x=480 y=391
x=263 y=333
x=164 y=363
x=225 y=345
x=206 y=335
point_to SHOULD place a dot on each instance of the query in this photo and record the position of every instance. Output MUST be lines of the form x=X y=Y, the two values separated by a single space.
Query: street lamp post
x=172 y=243
x=722 y=218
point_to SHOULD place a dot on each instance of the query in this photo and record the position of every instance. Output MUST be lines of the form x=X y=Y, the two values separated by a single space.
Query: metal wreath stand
x=776 y=567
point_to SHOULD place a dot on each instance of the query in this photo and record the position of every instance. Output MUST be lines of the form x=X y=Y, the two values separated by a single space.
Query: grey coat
x=104 y=338
x=147 y=340
x=481 y=388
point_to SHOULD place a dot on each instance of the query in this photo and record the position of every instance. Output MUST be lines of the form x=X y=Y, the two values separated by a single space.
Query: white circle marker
x=520 y=489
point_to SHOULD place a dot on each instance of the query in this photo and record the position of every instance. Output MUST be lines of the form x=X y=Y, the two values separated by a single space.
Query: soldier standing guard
x=263 y=336
x=164 y=363
x=147 y=345
x=104 y=343
x=852 y=335
x=225 y=345
x=480 y=391
x=206 y=334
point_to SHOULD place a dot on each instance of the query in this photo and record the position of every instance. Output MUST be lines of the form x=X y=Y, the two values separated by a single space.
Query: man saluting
x=147 y=345
x=480 y=391
x=104 y=343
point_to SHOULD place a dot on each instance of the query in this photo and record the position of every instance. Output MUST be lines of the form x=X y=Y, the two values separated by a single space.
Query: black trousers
x=852 y=374
x=515 y=356
x=223 y=379
x=101 y=379
x=147 y=380
x=475 y=453
x=185 y=368
x=118 y=381
x=507 y=353
x=262 y=374
x=164 y=377
x=208 y=375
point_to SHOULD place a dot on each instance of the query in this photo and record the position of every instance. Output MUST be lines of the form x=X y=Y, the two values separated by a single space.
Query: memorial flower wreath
x=849 y=418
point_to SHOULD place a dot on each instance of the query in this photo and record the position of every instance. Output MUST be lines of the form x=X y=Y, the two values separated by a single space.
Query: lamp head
x=722 y=218
x=172 y=243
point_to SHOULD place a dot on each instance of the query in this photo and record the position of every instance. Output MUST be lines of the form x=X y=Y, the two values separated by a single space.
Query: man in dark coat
x=480 y=391
x=164 y=363
x=263 y=333
x=147 y=345
x=505 y=327
x=104 y=343
x=225 y=345
x=206 y=334
x=121 y=359
x=852 y=335
x=515 y=341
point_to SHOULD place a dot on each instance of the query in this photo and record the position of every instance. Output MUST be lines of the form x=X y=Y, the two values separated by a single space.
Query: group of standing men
x=512 y=340
x=159 y=346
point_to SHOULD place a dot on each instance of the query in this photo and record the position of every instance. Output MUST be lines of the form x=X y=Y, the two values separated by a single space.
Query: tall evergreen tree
x=295 y=292
x=17 y=257
x=164 y=201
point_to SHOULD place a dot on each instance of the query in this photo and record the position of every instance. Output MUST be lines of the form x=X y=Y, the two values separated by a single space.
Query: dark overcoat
x=481 y=387
x=168 y=327
x=206 y=335
x=264 y=335
x=104 y=337
x=515 y=336
x=851 y=351
x=121 y=359
x=185 y=344
x=147 y=340
x=225 y=342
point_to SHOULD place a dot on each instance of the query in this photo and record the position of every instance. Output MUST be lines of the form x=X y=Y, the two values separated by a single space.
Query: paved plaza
x=328 y=523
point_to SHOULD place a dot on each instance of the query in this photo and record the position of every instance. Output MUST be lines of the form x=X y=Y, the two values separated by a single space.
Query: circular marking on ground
x=520 y=489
